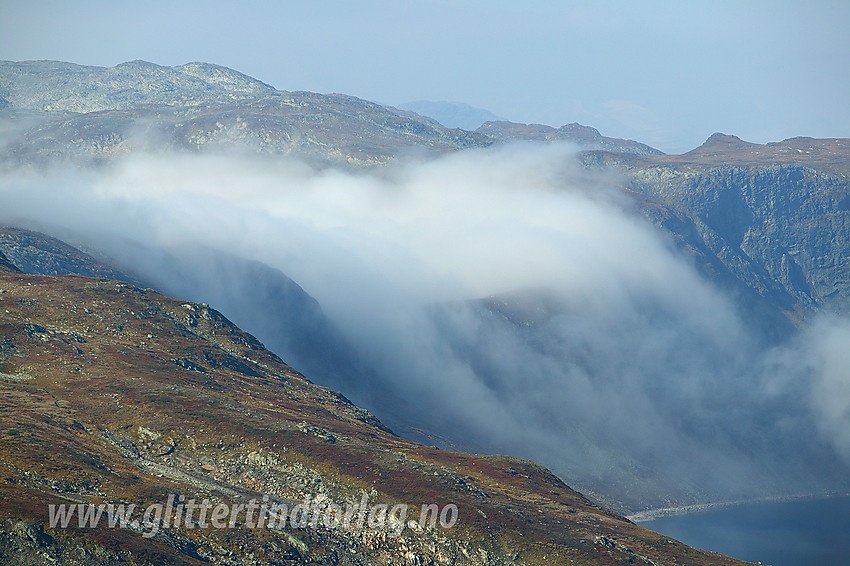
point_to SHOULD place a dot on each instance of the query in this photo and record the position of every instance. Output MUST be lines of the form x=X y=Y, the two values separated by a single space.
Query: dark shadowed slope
x=37 y=253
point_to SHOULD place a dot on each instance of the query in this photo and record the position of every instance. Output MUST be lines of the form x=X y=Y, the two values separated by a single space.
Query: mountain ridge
x=33 y=86
x=95 y=112
x=585 y=136
x=51 y=86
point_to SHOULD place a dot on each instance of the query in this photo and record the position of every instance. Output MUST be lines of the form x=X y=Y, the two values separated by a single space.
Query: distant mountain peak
x=575 y=127
x=721 y=136
x=217 y=74
x=139 y=63
x=451 y=114
x=720 y=143
x=718 y=137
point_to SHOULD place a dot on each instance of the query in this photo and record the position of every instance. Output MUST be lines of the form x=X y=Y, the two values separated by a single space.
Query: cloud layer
x=500 y=299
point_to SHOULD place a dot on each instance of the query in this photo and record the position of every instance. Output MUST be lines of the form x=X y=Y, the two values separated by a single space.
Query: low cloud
x=502 y=299
x=827 y=347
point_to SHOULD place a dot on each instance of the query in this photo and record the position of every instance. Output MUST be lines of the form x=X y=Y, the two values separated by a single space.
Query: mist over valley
x=213 y=285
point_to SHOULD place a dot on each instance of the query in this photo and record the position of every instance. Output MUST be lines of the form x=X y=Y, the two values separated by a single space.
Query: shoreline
x=661 y=512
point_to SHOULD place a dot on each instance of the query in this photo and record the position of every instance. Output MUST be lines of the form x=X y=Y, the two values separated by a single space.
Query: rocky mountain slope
x=96 y=113
x=254 y=295
x=53 y=86
x=113 y=394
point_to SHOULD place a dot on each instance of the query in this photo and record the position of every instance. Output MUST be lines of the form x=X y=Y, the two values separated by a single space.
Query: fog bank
x=502 y=299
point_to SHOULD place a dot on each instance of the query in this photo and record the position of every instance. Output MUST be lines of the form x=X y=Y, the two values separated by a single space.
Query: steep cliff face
x=774 y=216
x=779 y=228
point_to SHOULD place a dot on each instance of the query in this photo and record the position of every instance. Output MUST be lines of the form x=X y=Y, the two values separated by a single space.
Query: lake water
x=798 y=533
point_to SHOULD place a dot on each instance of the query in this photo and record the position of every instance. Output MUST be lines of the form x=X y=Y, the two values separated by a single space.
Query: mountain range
x=149 y=395
x=95 y=112
x=452 y=114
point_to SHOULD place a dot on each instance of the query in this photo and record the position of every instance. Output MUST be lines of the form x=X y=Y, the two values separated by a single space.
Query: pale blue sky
x=665 y=73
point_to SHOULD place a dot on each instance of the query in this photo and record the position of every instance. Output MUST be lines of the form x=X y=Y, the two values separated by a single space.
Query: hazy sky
x=665 y=73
